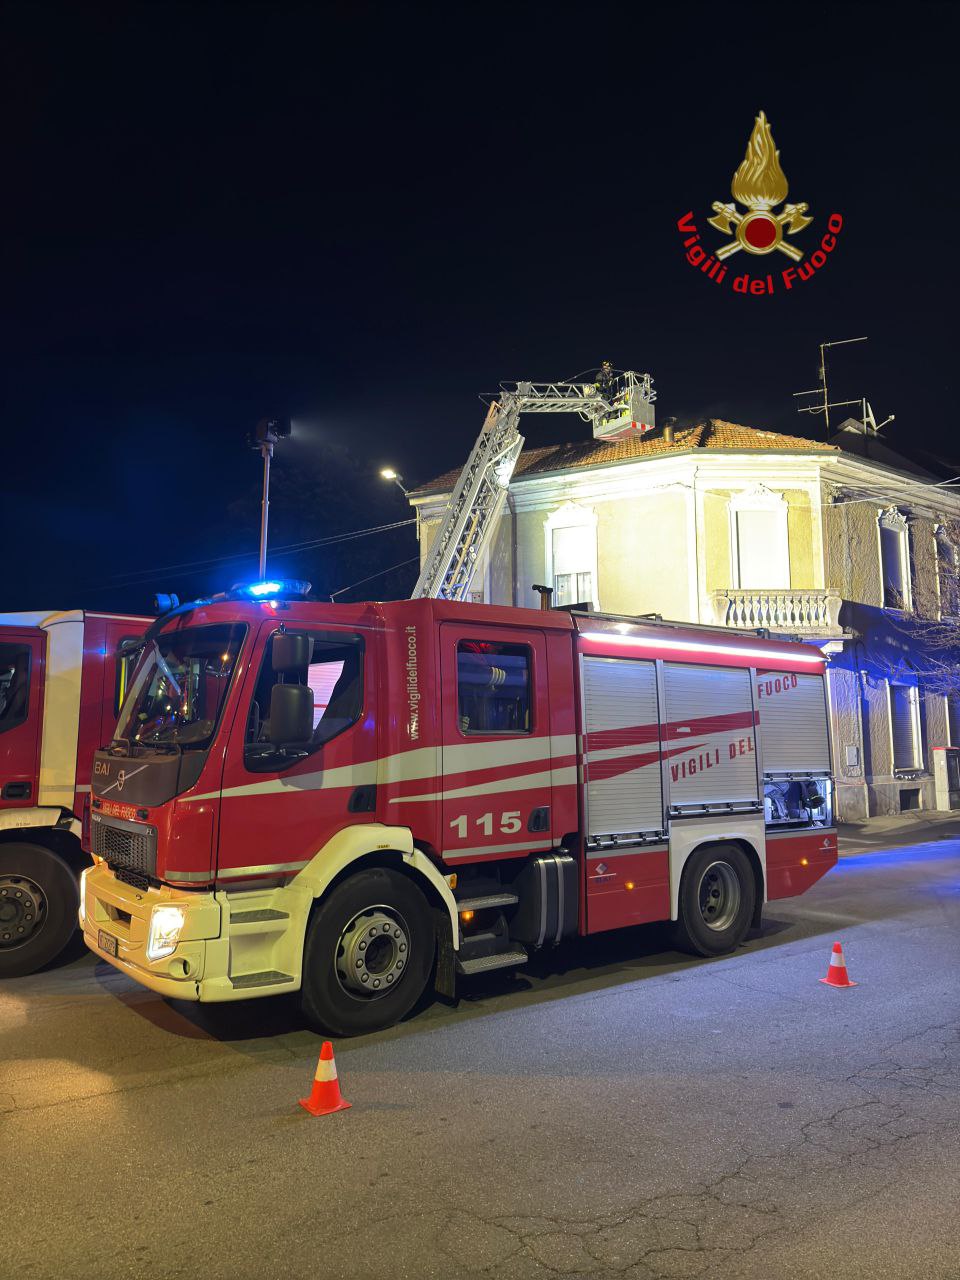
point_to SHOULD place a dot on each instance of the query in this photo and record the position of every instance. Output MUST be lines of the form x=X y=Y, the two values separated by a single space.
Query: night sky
x=365 y=216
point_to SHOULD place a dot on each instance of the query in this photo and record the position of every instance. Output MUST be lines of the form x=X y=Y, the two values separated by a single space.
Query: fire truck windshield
x=179 y=688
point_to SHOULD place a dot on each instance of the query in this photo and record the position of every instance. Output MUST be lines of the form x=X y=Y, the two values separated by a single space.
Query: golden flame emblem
x=760 y=184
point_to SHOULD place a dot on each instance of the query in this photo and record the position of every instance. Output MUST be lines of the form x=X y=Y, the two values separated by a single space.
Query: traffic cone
x=325 y=1095
x=837 y=975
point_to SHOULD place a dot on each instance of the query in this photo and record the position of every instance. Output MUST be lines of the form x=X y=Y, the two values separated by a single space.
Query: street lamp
x=388 y=473
x=265 y=435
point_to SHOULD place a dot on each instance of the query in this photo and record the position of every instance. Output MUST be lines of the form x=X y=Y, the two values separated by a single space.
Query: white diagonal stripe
x=409 y=766
x=526 y=782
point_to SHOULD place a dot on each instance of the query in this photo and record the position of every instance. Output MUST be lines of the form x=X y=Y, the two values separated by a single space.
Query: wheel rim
x=719 y=896
x=373 y=953
x=23 y=909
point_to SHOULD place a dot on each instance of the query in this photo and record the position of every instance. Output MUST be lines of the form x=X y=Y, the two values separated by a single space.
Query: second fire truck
x=61 y=686
x=350 y=801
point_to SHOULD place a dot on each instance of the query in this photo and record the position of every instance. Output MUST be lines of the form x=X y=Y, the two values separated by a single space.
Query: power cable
x=370 y=577
x=135 y=576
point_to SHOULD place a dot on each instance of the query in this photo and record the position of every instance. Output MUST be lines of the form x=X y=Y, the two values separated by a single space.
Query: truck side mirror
x=291 y=714
x=291 y=651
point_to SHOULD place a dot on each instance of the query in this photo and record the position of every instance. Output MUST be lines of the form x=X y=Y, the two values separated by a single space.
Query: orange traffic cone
x=325 y=1095
x=837 y=975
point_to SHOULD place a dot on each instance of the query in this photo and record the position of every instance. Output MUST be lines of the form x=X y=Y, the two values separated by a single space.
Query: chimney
x=668 y=426
x=546 y=595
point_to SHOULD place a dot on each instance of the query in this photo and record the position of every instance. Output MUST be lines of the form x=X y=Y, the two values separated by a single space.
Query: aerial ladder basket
x=617 y=411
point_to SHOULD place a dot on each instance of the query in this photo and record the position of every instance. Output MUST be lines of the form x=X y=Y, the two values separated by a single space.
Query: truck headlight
x=83 y=893
x=165 y=926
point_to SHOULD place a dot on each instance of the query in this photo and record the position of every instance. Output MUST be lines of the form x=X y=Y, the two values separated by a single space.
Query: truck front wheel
x=368 y=954
x=717 y=897
x=39 y=900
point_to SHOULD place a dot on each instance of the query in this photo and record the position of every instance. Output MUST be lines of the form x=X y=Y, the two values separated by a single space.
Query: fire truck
x=61 y=685
x=355 y=801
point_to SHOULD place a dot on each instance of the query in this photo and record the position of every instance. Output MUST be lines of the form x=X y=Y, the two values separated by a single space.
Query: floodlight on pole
x=388 y=473
x=266 y=434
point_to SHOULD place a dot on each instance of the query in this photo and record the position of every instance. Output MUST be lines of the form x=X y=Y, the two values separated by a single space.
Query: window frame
x=942 y=542
x=22 y=647
x=760 y=498
x=952 y=699
x=894 y=521
x=271 y=763
x=531 y=700
x=913 y=699
x=572 y=515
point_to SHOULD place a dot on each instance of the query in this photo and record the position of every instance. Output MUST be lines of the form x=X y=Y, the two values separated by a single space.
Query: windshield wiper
x=162 y=663
x=161 y=744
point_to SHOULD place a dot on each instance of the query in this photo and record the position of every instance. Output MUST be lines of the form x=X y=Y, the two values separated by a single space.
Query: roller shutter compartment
x=793 y=723
x=621 y=747
x=709 y=735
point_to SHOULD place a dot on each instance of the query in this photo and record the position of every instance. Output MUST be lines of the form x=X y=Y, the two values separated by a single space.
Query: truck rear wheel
x=368 y=954
x=717 y=896
x=39 y=900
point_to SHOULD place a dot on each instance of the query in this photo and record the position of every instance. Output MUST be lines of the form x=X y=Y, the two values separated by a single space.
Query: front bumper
x=123 y=912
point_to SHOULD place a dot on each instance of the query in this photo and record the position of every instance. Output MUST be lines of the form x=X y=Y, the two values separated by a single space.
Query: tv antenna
x=823 y=403
x=867 y=425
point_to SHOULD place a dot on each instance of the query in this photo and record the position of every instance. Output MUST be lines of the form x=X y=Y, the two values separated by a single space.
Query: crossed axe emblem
x=791 y=219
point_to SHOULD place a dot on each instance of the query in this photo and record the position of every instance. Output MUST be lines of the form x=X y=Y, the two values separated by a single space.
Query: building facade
x=736 y=527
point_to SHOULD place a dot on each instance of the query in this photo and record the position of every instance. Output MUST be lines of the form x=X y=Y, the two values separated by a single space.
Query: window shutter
x=902 y=726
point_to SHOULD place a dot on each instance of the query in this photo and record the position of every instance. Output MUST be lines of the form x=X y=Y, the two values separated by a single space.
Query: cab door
x=496 y=753
x=275 y=815
x=21 y=713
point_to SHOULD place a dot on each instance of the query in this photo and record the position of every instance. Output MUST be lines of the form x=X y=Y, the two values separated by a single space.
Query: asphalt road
x=619 y=1111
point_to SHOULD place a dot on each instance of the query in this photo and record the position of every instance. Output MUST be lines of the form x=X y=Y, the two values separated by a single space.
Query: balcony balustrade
x=812 y=612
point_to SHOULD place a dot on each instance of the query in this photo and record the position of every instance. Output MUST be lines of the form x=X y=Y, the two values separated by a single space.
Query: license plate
x=107 y=942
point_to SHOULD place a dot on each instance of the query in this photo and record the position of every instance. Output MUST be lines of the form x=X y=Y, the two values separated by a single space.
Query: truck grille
x=126 y=846
x=133 y=877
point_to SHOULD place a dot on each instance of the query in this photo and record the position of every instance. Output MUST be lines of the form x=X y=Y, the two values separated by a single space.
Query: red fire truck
x=61 y=684
x=348 y=800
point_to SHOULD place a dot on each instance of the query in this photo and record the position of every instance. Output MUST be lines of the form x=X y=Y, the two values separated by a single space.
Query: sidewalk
x=894 y=830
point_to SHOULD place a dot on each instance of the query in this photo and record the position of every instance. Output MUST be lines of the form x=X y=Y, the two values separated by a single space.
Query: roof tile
x=713 y=433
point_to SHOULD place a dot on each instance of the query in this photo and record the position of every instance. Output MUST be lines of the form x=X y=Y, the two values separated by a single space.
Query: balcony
x=810 y=613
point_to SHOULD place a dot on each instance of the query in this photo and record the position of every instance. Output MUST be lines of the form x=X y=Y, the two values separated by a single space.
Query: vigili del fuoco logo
x=759 y=185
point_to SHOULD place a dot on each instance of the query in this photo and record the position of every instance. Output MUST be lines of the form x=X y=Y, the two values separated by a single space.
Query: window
x=14 y=685
x=335 y=678
x=125 y=663
x=180 y=687
x=948 y=575
x=894 y=560
x=571 y=555
x=493 y=687
x=953 y=718
x=904 y=727
x=760 y=553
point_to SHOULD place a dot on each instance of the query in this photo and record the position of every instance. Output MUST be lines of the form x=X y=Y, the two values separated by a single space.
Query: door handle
x=16 y=791
x=539 y=819
x=363 y=800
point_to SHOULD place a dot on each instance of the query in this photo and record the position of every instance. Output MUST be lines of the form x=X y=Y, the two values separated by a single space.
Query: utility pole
x=266 y=434
x=821 y=392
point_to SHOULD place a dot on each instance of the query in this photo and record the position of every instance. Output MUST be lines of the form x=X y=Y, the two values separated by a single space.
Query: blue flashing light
x=271 y=590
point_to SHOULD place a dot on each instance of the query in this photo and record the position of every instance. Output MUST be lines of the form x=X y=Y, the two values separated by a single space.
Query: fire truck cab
x=348 y=800
x=61 y=684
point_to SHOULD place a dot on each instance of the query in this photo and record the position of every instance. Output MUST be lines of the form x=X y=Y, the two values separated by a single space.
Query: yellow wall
x=800 y=534
x=715 y=552
x=642 y=553
x=852 y=551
